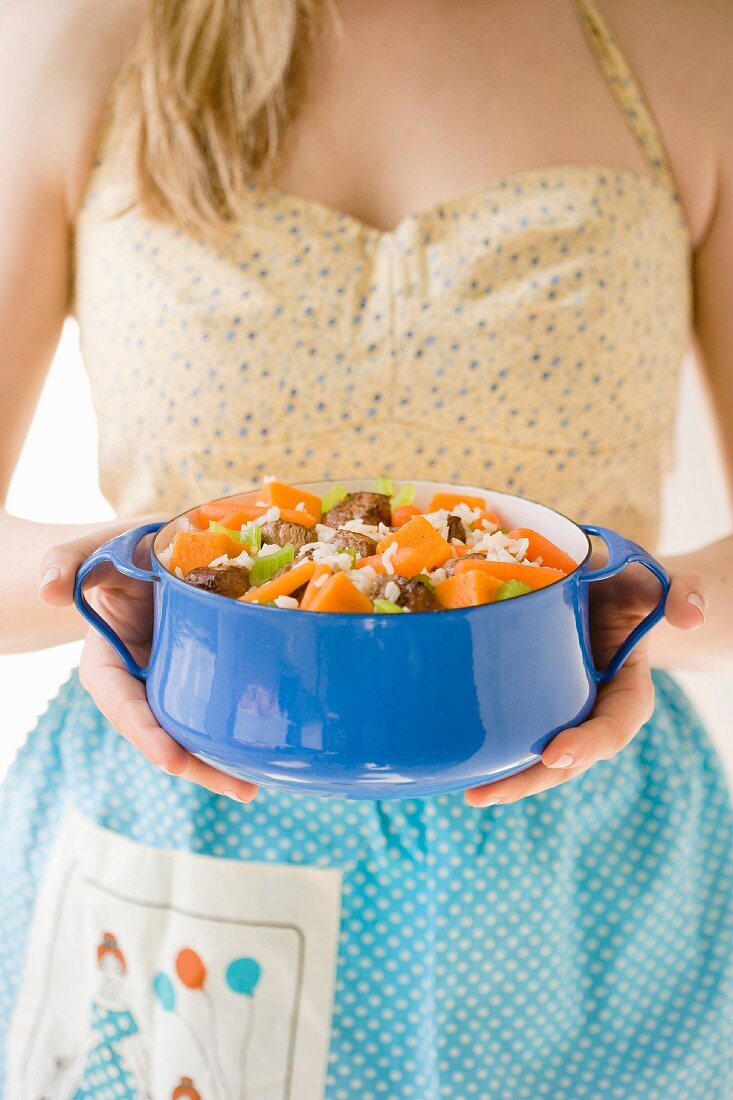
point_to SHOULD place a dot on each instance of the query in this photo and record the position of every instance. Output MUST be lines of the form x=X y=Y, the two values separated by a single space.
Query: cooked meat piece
x=225 y=580
x=450 y=565
x=282 y=533
x=370 y=508
x=353 y=540
x=345 y=540
x=456 y=530
x=413 y=594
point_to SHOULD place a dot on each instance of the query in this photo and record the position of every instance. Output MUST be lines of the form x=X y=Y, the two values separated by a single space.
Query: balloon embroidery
x=242 y=977
x=190 y=968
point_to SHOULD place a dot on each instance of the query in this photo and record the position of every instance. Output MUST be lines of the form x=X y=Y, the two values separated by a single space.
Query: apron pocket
x=152 y=973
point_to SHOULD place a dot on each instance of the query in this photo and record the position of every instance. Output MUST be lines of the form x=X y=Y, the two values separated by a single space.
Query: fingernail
x=563 y=761
x=490 y=802
x=51 y=574
x=696 y=601
x=236 y=797
x=161 y=765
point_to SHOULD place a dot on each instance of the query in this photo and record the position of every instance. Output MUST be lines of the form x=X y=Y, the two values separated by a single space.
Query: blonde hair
x=213 y=86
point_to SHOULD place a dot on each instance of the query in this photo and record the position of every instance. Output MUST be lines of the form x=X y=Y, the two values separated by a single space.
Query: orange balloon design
x=190 y=968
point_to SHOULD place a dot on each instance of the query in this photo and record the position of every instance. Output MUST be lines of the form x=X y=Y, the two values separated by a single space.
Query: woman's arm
x=712 y=645
x=32 y=551
x=57 y=61
x=708 y=576
x=46 y=119
x=682 y=640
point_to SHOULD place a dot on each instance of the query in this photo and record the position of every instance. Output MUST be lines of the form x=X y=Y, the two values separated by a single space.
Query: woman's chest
x=514 y=311
x=412 y=103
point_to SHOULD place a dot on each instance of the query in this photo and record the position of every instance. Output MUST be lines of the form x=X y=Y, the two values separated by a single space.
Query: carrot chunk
x=217 y=509
x=321 y=570
x=247 y=512
x=340 y=594
x=536 y=576
x=289 y=497
x=490 y=516
x=467 y=589
x=405 y=512
x=284 y=585
x=374 y=560
x=540 y=547
x=450 y=500
x=195 y=549
x=429 y=548
x=405 y=561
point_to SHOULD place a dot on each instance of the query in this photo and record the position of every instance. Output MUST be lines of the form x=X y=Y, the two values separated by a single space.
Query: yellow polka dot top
x=526 y=335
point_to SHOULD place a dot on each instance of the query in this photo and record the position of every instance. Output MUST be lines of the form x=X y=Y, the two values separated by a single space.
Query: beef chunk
x=353 y=540
x=456 y=530
x=225 y=580
x=282 y=533
x=450 y=565
x=345 y=540
x=370 y=508
x=413 y=594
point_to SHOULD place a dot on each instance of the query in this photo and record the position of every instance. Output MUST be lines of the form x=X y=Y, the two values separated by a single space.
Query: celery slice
x=383 y=485
x=424 y=580
x=405 y=495
x=334 y=496
x=265 y=568
x=353 y=554
x=510 y=589
x=252 y=535
x=387 y=607
x=220 y=529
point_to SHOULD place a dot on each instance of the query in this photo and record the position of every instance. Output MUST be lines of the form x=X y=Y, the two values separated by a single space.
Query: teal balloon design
x=243 y=975
x=164 y=991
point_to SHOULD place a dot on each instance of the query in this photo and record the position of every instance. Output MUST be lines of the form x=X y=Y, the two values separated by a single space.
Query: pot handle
x=622 y=552
x=119 y=552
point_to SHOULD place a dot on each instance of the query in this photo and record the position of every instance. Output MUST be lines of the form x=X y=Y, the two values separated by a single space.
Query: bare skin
x=414 y=103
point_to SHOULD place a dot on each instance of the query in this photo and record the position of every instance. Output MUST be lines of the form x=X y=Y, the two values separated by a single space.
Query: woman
x=114 y=1028
x=450 y=239
x=111 y=1056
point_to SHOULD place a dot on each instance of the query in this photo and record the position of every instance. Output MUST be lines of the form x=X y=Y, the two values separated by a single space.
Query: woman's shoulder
x=58 y=61
x=680 y=50
x=681 y=43
x=66 y=46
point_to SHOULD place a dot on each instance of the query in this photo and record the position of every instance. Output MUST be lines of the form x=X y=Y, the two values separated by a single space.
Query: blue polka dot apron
x=576 y=944
x=160 y=941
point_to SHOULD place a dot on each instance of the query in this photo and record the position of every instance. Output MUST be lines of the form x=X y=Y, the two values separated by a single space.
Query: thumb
x=61 y=562
x=686 y=603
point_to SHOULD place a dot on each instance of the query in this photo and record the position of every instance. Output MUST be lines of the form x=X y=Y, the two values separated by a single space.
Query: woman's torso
x=525 y=333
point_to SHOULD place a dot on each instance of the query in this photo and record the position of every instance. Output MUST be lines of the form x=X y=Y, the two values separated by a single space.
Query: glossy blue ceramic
x=375 y=706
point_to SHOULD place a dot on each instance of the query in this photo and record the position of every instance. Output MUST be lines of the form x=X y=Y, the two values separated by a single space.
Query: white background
x=56 y=481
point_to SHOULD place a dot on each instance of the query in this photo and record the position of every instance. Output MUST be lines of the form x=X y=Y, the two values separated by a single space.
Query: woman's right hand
x=127 y=605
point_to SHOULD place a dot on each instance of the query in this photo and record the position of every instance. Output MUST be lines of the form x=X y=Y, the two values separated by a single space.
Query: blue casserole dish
x=375 y=706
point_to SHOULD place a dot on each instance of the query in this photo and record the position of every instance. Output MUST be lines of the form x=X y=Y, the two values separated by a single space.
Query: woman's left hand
x=626 y=702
